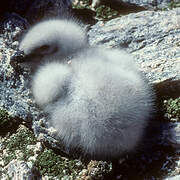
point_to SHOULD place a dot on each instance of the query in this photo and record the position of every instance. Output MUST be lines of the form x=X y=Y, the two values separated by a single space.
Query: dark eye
x=41 y=50
x=45 y=50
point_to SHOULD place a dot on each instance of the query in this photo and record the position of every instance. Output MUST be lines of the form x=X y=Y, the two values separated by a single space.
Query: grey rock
x=173 y=178
x=48 y=8
x=175 y=136
x=136 y=3
x=15 y=93
x=34 y=10
x=151 y=37
x=20 y=170
x=12 y=87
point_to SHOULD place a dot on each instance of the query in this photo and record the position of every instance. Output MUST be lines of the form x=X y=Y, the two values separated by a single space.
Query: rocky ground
x=28 y=149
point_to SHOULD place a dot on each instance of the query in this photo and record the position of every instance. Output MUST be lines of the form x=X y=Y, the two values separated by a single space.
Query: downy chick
x=97 y=100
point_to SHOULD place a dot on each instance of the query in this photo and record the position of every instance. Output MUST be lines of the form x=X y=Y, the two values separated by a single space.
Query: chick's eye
x=46 y=49
x=42 y=49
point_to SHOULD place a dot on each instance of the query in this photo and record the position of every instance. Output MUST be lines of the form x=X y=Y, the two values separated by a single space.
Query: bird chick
x=99 y=103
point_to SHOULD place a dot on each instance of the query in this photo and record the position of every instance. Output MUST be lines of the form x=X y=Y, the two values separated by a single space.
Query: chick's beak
x=17 y=58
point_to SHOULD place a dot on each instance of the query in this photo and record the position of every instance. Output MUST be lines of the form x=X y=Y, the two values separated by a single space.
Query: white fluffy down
x=99 y=103
x=49 y=81
x=107 y=107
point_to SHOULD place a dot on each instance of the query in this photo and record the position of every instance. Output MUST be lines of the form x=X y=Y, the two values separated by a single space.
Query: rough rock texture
x=151 y=37
x=19 y=170
x=22 y=157
x=11 y=98
x=173 y=178
x=15 y=93
x=130 y=3
x=34 y=10
x=48 y=8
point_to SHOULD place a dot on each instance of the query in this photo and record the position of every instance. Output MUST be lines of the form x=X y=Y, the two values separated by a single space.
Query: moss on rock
x=23 y=145
x=106 y=13
x=103 y=12
x=51 y=164
x=172 y=109
x=4 y=118
x=15 y=146
x=174 y=4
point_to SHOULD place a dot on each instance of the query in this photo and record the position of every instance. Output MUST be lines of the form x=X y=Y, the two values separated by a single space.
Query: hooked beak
x=17 y=58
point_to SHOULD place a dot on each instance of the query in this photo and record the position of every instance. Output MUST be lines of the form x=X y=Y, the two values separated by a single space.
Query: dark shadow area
x=150 y=160
x=123 y=7
x=84 y=15
x=164 y=91
x=9 y=125
x=168 y=89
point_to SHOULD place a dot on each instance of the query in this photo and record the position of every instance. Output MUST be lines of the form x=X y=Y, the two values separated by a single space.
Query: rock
x=175 y=135
x=149 y=4
x=14 y=93
x=33 y=10
x=152 y=38
x=22 y=156
x=20 y=170
x=48 y=8
x=173 y=178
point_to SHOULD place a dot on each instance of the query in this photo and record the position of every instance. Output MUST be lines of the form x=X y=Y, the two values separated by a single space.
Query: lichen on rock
x=172 y=109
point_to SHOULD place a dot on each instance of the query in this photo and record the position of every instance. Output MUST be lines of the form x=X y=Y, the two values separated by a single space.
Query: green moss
x=19 y=141
x=172 y=108
x=51 y=164
x=173 y=4
x=47 y=162
x=4 y=118
x=103 y=12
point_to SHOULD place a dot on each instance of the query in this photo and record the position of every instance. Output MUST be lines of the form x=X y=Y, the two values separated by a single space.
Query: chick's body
x=101 y=104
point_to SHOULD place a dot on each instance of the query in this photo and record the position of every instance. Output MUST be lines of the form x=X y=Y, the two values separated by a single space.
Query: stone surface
x=140 y=3
x=173 y=178
x=15 y=93
x=48 y=9
x=34 y=10
x=23 y=157
x=19 y=170
x=151 y=37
